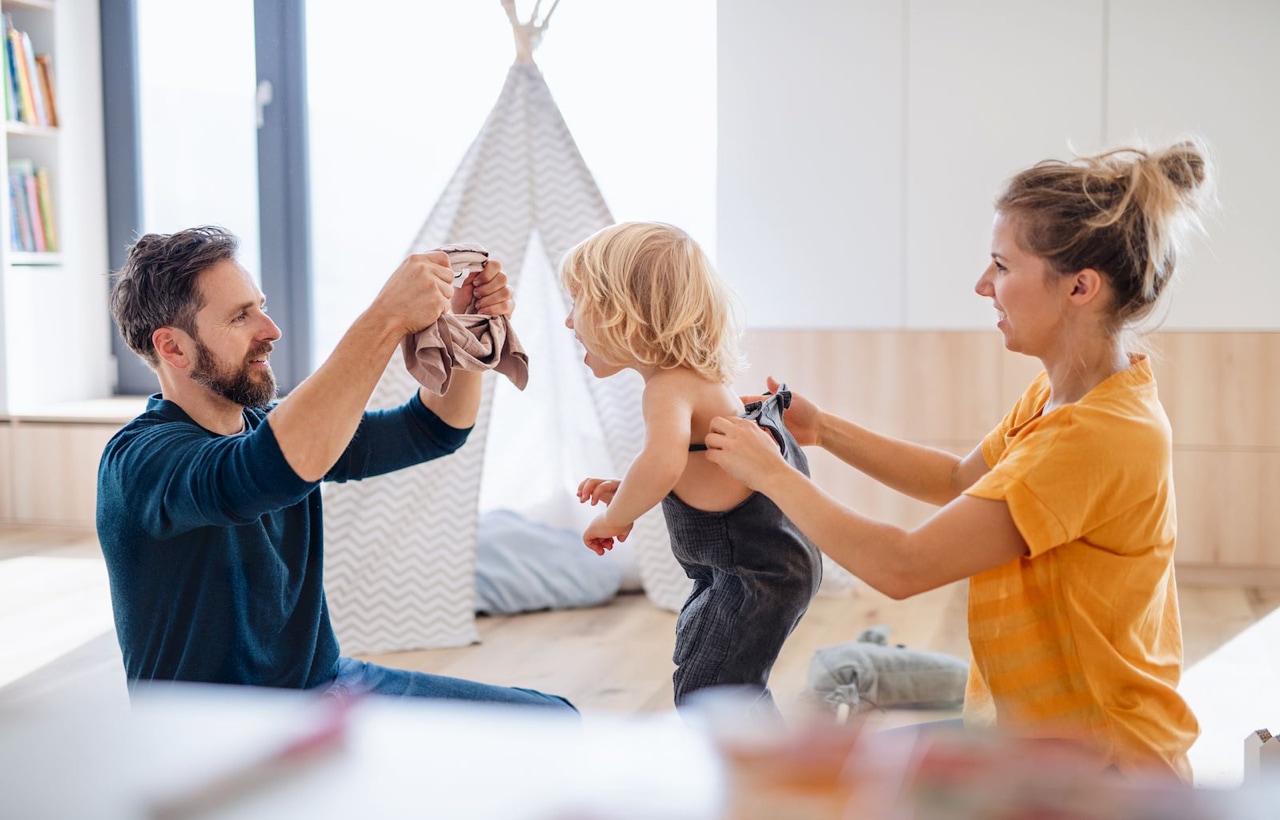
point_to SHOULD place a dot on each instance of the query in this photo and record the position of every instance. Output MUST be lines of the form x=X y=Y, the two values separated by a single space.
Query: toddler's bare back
x=704 y=485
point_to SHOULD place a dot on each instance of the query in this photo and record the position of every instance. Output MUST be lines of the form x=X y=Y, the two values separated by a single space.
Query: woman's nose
x=983 y=286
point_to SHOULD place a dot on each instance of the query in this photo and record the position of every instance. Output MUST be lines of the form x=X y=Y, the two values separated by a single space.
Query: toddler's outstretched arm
x=653 y=474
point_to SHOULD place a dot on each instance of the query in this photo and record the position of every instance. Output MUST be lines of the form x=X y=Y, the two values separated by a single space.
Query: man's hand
x=596 y=490
x=418 y=292
x=600 y=534
x=803 y=418
x=486 y=292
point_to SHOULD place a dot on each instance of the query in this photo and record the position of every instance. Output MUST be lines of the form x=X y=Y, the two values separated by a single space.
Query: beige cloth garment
x=469 y=341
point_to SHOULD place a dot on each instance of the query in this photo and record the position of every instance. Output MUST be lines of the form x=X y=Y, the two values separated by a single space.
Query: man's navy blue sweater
x=215 y=547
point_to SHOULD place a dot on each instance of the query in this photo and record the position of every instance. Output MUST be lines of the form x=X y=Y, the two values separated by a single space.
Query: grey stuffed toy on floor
x=870 y=673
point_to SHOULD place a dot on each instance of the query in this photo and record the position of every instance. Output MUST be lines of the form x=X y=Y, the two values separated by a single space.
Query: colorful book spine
x=15 y=231
x=14 y=107
x=44 y=191
x=31 y=198
x=26 y=104
x=41 y=117
x=22 y=240
x=10 y=113
x=33 y=208
x=44 y=66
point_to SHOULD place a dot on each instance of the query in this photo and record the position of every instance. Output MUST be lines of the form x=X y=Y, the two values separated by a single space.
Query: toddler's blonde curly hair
x=648 y=294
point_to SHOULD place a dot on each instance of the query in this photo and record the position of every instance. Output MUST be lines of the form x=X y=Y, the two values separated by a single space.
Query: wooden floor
x=617 y=658
x=57 y=642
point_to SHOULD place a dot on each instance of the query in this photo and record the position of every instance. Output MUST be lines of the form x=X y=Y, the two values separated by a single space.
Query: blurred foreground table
x=185 y=751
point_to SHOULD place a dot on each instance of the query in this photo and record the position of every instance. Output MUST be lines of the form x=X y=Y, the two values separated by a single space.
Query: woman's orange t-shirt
x=1082 y=638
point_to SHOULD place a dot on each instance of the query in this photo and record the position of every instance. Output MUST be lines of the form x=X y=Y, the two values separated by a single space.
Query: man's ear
x=1086 y=285
x=172 y=346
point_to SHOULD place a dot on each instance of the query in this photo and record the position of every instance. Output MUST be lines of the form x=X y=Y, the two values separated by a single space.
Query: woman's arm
x=965 y=537
x=925 y=473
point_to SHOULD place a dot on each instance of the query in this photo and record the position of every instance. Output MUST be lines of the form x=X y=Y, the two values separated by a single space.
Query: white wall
x=862 y=144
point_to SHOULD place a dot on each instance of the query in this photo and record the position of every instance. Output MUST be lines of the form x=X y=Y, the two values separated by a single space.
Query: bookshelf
x=55 y=331
x=55 y=350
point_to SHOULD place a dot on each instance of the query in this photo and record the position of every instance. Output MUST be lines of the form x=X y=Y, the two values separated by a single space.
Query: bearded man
x=209 y=508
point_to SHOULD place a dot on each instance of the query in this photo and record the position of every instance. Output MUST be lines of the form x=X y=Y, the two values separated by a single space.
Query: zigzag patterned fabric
x=401 y=547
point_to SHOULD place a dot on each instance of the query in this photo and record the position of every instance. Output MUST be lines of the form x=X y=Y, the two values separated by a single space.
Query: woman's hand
x=596 y=490
x=745 y=451
x=803 y=418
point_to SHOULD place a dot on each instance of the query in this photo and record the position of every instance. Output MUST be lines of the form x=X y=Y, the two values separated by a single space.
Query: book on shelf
x=31 y=206
x=29 y=90
x=44 y=191
x=18 y=64
x=33 y=77
x=21 y=239
x=44 y=66
x=12 y=104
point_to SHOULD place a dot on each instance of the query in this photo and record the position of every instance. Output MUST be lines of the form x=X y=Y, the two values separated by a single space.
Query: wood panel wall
x=944 y=388
x=949 y=388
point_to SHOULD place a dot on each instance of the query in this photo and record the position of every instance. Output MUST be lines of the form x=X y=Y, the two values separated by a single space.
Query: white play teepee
x=401 y=548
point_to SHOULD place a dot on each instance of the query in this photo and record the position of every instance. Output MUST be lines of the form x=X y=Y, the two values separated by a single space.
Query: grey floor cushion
x=869 y=672
x=524 y=566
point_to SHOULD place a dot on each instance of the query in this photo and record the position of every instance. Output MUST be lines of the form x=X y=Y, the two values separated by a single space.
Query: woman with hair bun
x=1062 y=518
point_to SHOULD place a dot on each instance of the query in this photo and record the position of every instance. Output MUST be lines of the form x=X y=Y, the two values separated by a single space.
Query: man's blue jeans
x=357 y=677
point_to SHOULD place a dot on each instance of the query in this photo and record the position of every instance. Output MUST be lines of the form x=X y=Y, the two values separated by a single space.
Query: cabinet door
x=811 y=162
x=1227 y=515
x=1178 y=67
x=991 y=87
x=57 y=465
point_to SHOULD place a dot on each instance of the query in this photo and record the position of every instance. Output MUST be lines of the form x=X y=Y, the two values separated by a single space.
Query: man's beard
x=238 y=386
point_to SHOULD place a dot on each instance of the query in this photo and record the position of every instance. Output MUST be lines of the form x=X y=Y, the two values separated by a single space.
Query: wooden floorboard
x=617 y=657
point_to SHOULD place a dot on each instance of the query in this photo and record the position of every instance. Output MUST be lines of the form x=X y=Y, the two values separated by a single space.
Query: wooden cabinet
x=6 y=473
x=49 y=461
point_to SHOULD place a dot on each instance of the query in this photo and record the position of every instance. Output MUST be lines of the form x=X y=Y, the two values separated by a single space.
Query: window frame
x=283 y=175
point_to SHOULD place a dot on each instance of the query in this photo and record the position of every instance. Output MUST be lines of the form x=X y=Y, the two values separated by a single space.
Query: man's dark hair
x=158 y=284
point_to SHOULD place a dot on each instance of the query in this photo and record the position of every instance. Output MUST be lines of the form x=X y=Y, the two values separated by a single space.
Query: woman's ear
x=171 y=348
x=1086 y=284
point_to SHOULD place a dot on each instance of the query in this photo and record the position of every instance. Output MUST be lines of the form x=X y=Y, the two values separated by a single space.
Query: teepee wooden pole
x=550 y=11
x=529 y=33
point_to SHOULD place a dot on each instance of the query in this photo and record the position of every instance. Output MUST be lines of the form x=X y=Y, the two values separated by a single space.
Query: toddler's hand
x=600 y=534
x=596 y=490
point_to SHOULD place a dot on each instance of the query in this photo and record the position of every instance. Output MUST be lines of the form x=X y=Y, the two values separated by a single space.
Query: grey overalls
x=753 y=576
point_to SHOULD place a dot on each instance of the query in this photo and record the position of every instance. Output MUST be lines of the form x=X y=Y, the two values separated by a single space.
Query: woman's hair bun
x=1183 y=164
